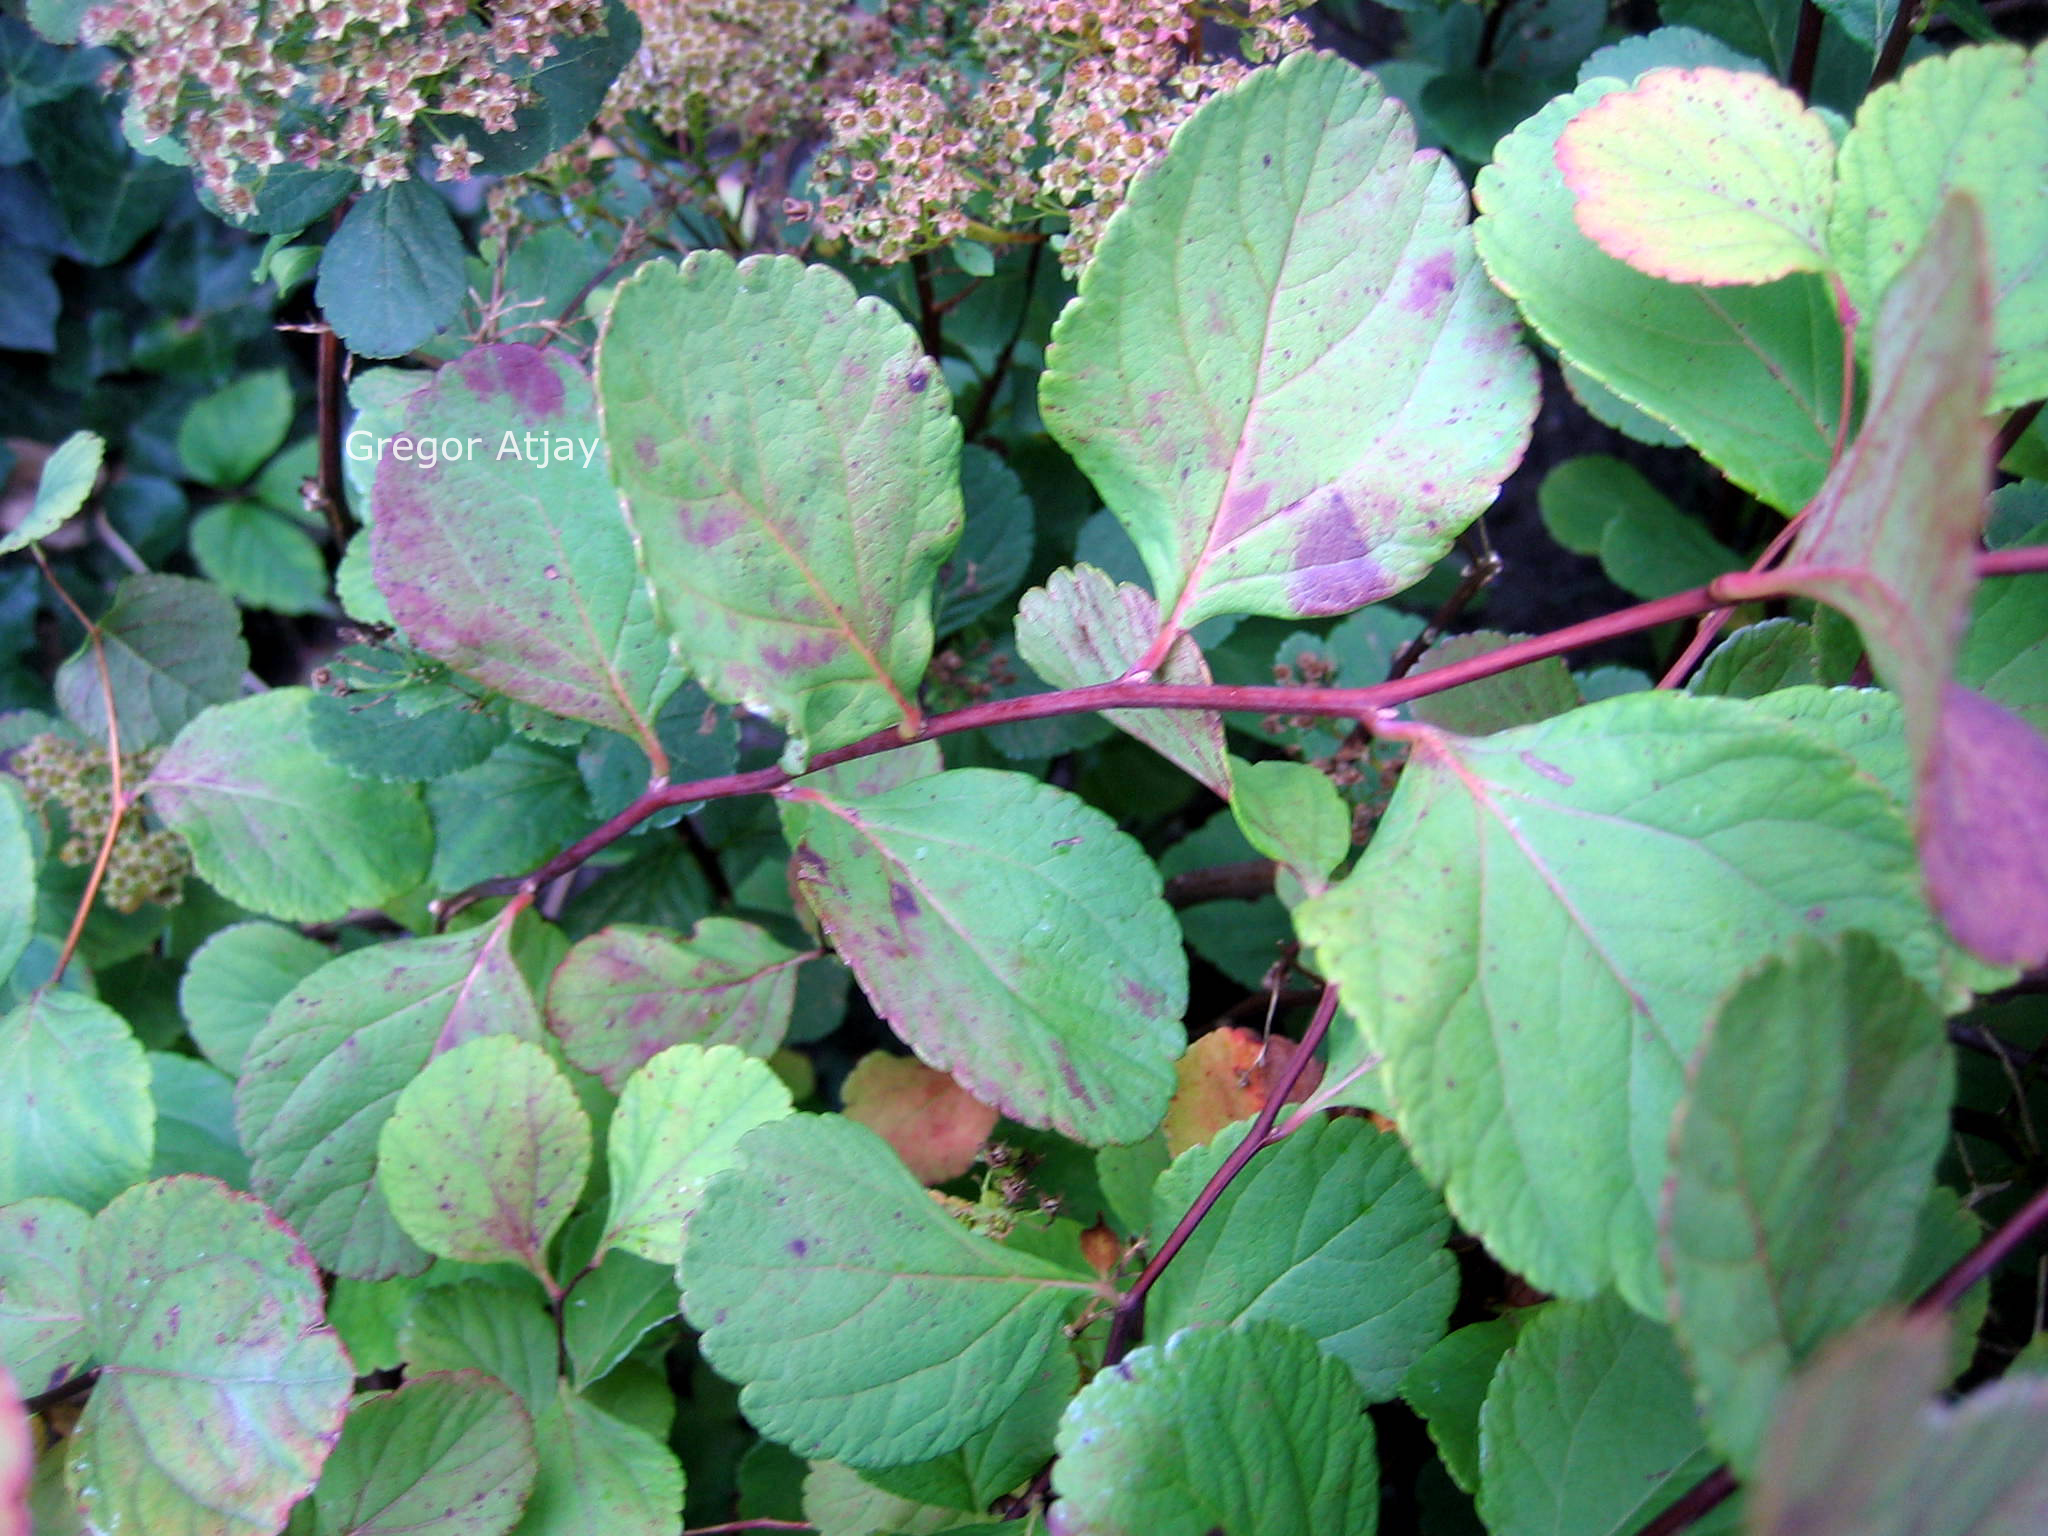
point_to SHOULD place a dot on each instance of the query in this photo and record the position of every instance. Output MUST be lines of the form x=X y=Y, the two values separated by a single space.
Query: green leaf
x=1804 y=1149
x=865 y=1323
x=678 y=1120
x=1184 y=1438
x=959 y=900
x=42 y=1314
x=701 y=740
x=611 y=1310
x=999 y=1459
x=1751 y=377
x=195 y=1120
x=76 y=1119
x=278 y=828
x=1666 y=47
x=1307 y=429
x=381 y=717
x=598 y=1474
x=18 y=860
x=517 y=808
x=1332 y=1232
x=485 y=1153
x=502 y=550
x=262 y=560
x=1861 y=1446
x=68 y=477
x=1758 y=659
x=994 y=552
x=391 y=278
x=221 y=1389
x=1081 y=628
x=568 y=91
x=2004 y=652
x=1447 y=1386
x=1514 y=924
x=235 y=978
x=441 y=1456
x=322 y=1076
x=1524 y=696
x=486 y=1325
x=1588 y=1425
x=226 y=436
x=628 y=992
x=787 y=455
x=840 y=1501
x=1292 y=813
x=173 y=646
x=1581 y=496
x=291 y=197
x=1968 y=121
x=1707 y=176
x=107 y=197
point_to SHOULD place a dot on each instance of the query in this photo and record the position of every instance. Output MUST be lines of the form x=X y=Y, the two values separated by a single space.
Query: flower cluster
x=147 y=864
x=1040 y=107
x=249 y=85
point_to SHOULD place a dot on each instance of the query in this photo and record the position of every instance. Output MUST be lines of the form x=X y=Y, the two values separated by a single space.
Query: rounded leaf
x=444 y=1455
x=76 y=1119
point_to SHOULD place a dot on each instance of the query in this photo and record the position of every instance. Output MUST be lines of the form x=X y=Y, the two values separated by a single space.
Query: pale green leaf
x=321 y=1078
x=1541 y=926
x=276 y=826
x=1588 y=1426
x=1706 y=176
x=1081 y=628
x=1803 y=1153
x=1976 y=121
x=864 y=1322
x=959 y=900
x=628 y=992
x=260 y=559
x=503 y=552
x=1249 y=1430
x=235 y=978
x=841 y=1501
x=678 y=1120
x=1447 y=1386
x=598 y=1474
x=788 y=456
x=221 y=1388
x=1292 y=813
x=67 y=480
x=172 y=646
x=18 y=860
x=1751 y=377
x=1306 y=427
x=226 y=436
x=484 y=1153
x=1332 y=1232
x=42 y=1310
x=76 y=1120
x=441 y=1456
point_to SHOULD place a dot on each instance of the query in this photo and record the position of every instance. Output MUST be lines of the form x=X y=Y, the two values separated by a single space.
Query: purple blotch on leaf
x=517 y=370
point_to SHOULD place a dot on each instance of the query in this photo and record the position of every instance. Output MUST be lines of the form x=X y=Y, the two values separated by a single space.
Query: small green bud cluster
x=148 y=864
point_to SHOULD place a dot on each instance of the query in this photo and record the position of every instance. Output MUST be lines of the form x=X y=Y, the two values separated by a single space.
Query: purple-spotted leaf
x=1891 y=541
x=444 y=1455
x=790 y=462
x=1305 y=427
x=320 y=1079
x=42 y=1323
x=501 y=549
x=277 y=826
x=677 y=1122
x=221 y=1389
x=961 y=901
x=1081 y=627
x=1705 y=176
x=484 y=1154
x=864 y=1323
x=628 y=992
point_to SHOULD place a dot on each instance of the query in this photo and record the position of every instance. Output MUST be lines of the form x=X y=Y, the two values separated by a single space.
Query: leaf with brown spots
x=935 y=1125
x=1225 y=1077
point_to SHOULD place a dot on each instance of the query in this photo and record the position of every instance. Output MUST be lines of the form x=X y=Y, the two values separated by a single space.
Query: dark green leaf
x=392 y=275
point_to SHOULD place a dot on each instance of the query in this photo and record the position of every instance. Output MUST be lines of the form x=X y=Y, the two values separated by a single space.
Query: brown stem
x=1805 y=49
x=63 y=1392
x=931 y=334
x=985 y=402
x=1246 y=881
x=1893 y=53
x=332 y=363
x=1127 y=1324
x=2014 y=429
x=1482 y=569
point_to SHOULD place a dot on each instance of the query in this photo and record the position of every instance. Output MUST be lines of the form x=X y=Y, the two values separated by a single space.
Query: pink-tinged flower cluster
x=1040 y=107
x=249 y=85
x=764 y=68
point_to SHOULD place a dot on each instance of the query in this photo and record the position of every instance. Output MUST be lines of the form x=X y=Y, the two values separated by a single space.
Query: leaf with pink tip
x=1082 y=627
x=1891 y=540
x=514 y=564
x=221 y=1388
x=1703 y=176
x=17 y=1461
x=485 y=1154
x=628 y=992
x=1286 y=372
